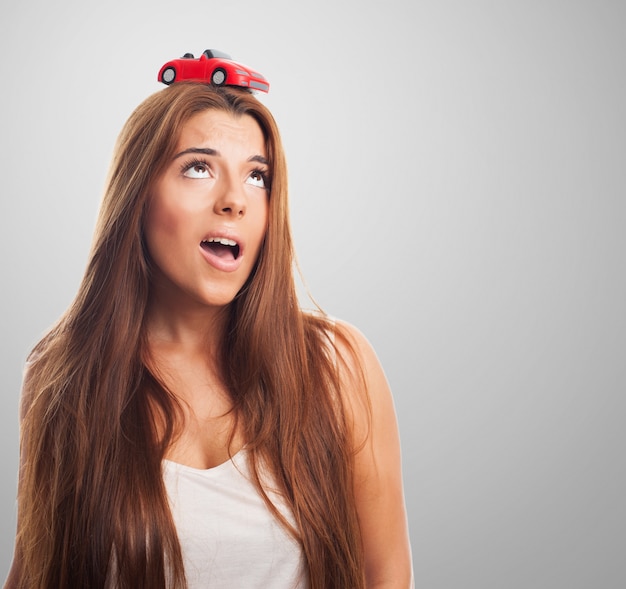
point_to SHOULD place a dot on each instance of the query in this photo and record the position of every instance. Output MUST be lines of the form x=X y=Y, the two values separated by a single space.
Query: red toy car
x=212 y=66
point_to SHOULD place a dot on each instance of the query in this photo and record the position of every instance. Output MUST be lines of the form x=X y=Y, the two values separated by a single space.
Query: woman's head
x=207 y=213
x=145 y=150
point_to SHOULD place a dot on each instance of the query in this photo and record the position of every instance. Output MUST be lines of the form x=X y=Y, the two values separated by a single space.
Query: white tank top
x=228 y=536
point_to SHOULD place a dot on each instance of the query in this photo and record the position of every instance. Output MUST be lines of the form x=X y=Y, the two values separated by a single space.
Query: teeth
x=222 y=240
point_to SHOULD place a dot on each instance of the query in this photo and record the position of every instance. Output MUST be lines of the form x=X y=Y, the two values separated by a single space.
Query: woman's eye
x=196 y=170
x=257 y=178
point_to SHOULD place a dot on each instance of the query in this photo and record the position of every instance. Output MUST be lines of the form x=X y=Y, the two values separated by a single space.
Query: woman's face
x=208 y=211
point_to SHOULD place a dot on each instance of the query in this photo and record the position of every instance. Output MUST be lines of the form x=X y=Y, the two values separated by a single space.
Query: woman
x=185 y=423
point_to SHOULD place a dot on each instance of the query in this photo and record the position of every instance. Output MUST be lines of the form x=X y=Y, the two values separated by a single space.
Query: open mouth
x=221 y=247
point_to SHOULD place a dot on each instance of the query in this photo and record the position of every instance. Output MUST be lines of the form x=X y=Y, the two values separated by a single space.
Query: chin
x=219 y=299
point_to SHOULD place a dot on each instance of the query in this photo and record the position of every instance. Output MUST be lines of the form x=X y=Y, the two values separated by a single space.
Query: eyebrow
x=204 y=150
x=213 y=152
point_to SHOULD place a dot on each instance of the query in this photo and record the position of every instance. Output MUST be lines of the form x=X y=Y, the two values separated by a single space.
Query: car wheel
x=218 y=77
x=168 y=76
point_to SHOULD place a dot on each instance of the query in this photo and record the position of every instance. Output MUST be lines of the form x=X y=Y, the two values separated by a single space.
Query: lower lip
x=222 y=264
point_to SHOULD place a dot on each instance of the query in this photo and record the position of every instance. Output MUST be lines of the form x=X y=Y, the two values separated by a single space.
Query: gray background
x=457 y=179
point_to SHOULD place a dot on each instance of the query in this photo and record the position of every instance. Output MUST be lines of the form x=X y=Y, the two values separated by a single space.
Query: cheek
x=160 y=218
x=159 y=233
x=166 y=223
x=262 y=224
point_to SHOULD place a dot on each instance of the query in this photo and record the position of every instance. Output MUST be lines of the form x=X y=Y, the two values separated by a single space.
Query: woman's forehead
x=214 y=128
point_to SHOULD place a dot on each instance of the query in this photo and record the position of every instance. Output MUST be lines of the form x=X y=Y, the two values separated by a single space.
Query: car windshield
x=215 y=53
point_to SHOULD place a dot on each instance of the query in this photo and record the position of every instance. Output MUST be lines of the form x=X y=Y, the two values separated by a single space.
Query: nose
x=231 y=199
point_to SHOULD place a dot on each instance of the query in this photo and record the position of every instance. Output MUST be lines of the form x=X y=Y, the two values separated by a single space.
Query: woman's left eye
x=257 y=178
x=196 y=170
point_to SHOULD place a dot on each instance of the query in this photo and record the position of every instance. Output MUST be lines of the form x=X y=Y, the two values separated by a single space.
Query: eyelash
x=193 y=163
x=186 y=166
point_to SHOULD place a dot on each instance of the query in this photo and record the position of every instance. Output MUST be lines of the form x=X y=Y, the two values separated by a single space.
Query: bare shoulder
x=364 y=383
x=356 y=352
x=379 y=492
x=353 y=336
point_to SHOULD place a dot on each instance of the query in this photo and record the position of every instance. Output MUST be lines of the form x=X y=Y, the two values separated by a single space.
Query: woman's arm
x=378 y=470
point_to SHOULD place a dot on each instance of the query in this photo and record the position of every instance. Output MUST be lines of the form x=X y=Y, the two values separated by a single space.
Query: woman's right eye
x=196 y=170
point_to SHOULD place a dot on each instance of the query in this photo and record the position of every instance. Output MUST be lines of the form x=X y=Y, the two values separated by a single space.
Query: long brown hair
x=92 y=506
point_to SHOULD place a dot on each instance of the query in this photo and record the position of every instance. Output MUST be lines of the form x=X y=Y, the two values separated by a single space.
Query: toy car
x=212 y=66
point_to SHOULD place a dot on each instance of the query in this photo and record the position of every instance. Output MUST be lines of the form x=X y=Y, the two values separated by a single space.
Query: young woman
x=186 y=424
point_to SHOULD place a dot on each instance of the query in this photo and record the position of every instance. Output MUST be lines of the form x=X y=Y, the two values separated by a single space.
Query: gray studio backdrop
x=458 y=181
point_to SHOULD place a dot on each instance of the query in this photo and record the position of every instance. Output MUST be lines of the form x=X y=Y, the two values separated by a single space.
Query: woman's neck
x=187 y=324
